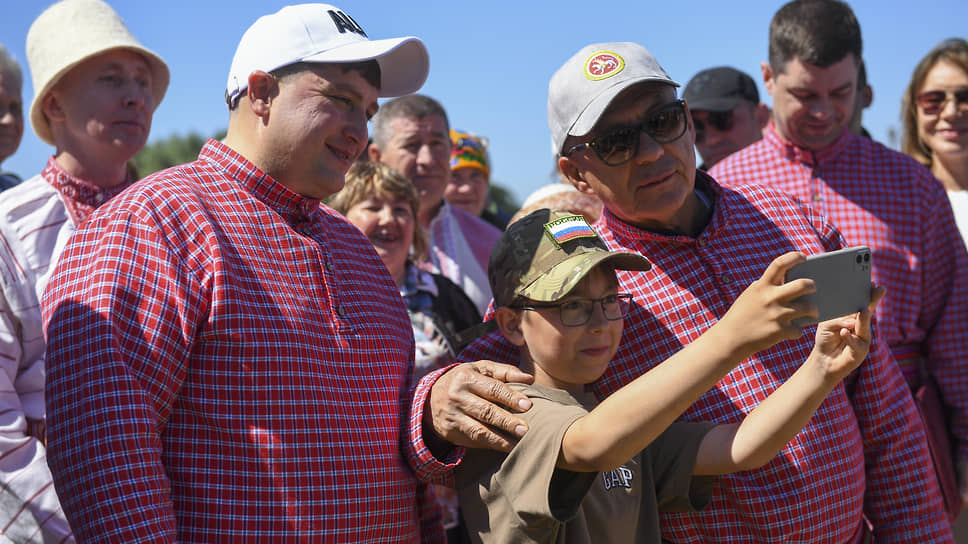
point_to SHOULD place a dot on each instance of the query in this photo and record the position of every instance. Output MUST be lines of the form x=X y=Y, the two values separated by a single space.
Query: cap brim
x=726 y=103
x=593 y=112
x=404 y=62
x=569 y=272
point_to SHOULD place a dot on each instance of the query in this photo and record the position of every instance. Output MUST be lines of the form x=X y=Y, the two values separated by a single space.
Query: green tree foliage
x=504 y=198
x=173 y=150
x=179 y=149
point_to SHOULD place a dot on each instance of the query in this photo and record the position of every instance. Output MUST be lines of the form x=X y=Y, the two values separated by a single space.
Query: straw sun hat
x=70 y=32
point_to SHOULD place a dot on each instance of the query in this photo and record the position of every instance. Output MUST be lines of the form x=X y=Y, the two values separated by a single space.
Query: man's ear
x=509 y=321
x=867 y=94
x=262 y=89
x=52 y=107
x=762 y=115
x=569 y=169
x=768 y=76
x=374 y=152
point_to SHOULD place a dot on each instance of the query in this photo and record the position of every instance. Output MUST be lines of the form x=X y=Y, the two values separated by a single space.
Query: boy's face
x=569 y=357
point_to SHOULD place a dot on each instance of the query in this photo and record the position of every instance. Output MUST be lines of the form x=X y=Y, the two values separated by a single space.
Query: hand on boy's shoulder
x=467 y=406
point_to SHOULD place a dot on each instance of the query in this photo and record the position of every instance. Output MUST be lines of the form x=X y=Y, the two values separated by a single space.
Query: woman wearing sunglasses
x=935 y=115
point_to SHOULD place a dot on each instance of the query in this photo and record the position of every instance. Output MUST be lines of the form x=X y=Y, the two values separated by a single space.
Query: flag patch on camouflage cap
x=569 y=228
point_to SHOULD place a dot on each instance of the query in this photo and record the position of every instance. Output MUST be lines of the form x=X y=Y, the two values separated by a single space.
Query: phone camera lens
x=859 y=259
x=867 y=257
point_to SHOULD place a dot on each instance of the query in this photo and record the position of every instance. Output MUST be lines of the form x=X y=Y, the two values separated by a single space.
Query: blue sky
x=491 y=61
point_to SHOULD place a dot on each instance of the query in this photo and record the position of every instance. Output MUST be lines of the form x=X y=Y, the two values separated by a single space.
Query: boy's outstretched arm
x=841 y=346
x=632 y=417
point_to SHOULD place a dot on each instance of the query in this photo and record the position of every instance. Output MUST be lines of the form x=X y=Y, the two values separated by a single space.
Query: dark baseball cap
x=544 y=255
x=720 y=89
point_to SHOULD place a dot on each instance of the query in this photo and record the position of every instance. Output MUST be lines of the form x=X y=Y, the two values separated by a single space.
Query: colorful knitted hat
x=469 y=151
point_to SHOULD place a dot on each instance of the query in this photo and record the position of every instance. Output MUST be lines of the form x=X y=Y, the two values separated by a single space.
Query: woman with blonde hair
x=383 y=205
x=935 y=116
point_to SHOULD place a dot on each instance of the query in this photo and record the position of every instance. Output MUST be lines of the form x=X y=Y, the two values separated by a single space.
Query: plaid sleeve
x=902 y=498
x=944 y=305
x=119 y=314
x=428 y=468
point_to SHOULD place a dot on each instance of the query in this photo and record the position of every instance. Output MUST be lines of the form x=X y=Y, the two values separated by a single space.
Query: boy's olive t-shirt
x=523 y=497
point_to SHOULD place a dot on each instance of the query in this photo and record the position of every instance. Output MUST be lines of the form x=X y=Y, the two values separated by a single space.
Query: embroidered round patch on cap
x=603 y=64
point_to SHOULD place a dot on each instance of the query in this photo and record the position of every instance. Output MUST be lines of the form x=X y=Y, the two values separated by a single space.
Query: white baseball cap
x=324 y=33
x=582 y=89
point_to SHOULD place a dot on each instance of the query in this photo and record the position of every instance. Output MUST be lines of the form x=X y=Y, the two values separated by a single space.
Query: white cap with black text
x=324 y=33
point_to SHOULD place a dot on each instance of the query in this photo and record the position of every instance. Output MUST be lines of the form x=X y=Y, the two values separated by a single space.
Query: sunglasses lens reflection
x=720 y=120
x=933 y=102
x=664 y=125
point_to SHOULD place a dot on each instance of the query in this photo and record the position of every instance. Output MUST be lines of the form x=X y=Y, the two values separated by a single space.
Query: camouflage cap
x=544 y=255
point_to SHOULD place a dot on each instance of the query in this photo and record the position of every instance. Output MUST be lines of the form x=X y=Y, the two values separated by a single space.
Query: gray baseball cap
x=720 y=89
x=582 y=89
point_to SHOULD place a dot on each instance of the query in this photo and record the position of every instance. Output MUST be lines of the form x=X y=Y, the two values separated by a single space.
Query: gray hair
x=9 y=65
x=412 y=106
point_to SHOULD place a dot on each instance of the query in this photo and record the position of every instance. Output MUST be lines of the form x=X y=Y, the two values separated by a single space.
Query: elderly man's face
x=653 y=189
x=11 y=115
x=420 y=150
x=102 y=108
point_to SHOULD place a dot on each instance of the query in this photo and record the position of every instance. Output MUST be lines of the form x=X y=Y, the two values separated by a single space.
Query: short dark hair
x=369 y=69
x=413 y=106
x=818 y=32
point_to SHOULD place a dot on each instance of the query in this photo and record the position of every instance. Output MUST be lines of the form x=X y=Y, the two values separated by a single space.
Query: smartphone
x=843 y=279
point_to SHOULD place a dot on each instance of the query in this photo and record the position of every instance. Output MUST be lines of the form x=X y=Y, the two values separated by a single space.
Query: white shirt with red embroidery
x=460 y=245
x=36 y=219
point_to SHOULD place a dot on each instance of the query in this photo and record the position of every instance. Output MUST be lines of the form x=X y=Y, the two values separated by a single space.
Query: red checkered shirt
x=887 y=201
x=860 y=454
x=229 y=361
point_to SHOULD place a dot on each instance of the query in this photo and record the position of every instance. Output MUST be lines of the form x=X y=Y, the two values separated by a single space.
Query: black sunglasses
x=933 y=102
x=720 y=120
x=618 y=146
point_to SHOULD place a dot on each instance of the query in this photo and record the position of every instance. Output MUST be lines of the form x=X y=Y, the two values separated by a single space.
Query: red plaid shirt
x=887 y=201
x=228 y=361
x=862 y=453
